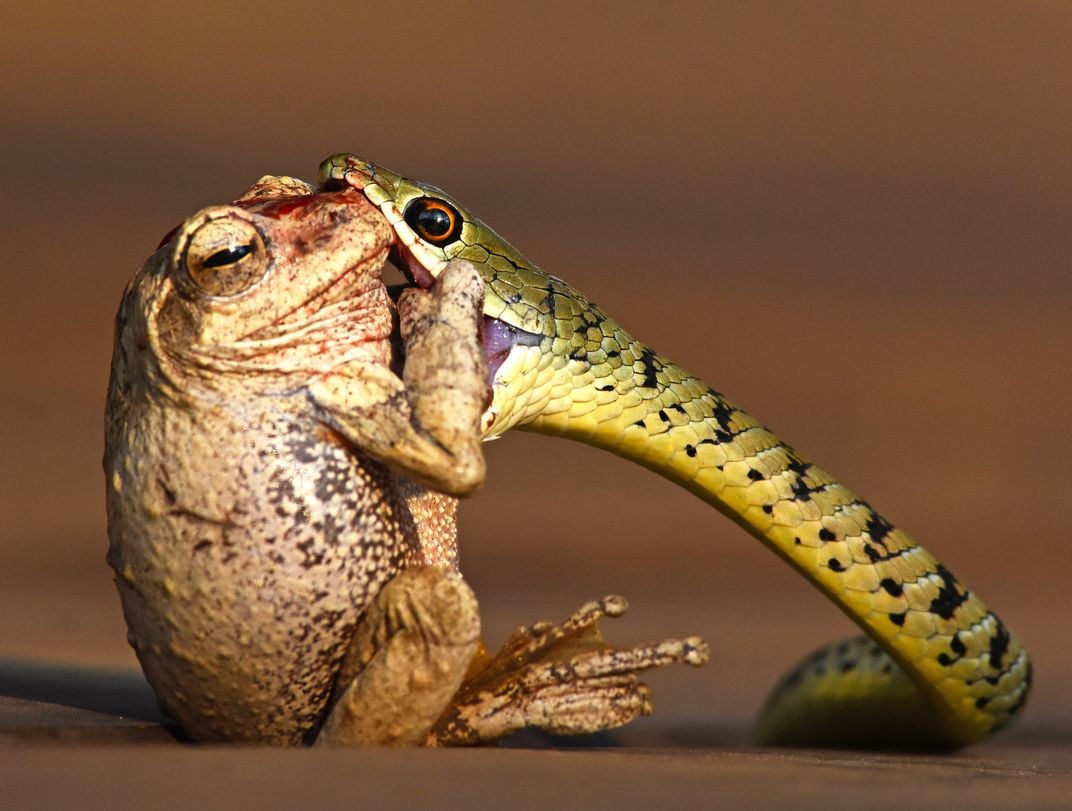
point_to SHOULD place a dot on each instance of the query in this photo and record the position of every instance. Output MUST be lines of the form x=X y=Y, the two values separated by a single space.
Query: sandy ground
x=853 y=219
x=62 y=742
x=94 y=738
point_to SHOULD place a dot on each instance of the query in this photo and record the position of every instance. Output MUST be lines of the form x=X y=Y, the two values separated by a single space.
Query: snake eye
x=225 y=256
x=434 y=220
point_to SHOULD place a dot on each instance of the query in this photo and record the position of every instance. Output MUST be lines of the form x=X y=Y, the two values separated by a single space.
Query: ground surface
x=79 y=738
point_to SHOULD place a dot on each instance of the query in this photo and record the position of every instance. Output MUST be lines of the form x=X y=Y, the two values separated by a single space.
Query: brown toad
x=266 y=470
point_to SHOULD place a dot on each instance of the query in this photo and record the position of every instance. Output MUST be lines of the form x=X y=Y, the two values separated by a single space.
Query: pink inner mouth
x=498 y=339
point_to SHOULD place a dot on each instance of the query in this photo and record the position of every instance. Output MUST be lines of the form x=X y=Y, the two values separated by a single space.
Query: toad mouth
x=402 y=258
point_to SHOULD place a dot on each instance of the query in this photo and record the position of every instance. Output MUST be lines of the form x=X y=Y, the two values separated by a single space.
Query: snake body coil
x=939 y=668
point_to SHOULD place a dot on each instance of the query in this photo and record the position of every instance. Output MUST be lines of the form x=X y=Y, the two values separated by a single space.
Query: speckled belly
x=241 y=599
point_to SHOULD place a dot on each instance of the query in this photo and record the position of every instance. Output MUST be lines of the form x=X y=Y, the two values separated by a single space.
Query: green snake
x=945 y=670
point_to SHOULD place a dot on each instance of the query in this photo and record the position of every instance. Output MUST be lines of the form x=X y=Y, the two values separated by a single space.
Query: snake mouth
x=497 y=338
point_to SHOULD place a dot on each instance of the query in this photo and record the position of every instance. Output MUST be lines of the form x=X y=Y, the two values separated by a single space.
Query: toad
x=281 y=490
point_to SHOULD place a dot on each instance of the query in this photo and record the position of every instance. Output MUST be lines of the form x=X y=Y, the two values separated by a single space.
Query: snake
x=936 y=668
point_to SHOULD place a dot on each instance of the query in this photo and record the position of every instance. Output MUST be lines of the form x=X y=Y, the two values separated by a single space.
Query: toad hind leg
x=562 y=678
x=408 y=657
x=415 y=672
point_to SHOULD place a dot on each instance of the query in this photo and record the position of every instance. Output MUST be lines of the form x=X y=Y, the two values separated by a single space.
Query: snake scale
x=937 y=668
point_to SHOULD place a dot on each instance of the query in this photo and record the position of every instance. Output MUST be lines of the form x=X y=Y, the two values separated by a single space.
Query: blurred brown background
x=854 y=218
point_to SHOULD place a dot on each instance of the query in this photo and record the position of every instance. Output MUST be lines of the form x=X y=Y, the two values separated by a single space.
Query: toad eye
x=434 y=220
x=225 y=256
x=228 y=256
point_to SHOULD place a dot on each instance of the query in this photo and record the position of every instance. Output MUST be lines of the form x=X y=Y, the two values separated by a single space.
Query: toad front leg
x=425 y=426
